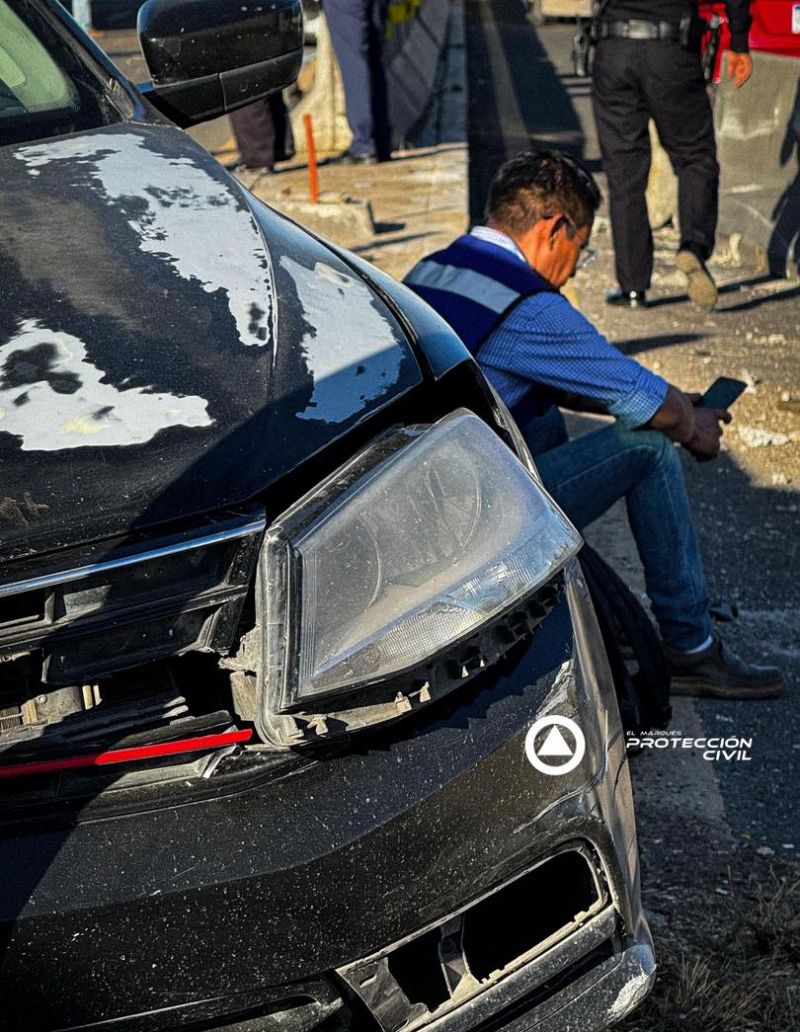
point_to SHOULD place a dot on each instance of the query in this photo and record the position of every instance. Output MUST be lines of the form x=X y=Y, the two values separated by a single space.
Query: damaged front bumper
x=546 y=951
x=431 y=880
x=549 y=949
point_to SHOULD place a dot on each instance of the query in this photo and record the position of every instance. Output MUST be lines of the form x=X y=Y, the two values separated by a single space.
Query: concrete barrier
x=416 y=35
x=758 y=140
x=662 y=185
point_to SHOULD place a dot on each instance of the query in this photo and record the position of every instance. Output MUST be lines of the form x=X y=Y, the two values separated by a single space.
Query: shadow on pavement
x=784 y=244
x=756 y=302
x=733 y=288
x=517 y=99
x=638 y=345
x=375 y=245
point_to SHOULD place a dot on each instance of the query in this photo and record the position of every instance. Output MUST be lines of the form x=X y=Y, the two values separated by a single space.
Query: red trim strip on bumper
x=139 y=752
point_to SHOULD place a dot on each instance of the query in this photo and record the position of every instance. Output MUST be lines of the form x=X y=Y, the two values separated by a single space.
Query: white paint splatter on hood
x=188 y=219
x=352 y=352
x=82 y=411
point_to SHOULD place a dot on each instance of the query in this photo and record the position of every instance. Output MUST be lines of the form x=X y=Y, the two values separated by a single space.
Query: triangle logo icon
x=554 y=745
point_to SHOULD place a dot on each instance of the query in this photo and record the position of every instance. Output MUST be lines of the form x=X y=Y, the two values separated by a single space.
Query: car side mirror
x=207 y=57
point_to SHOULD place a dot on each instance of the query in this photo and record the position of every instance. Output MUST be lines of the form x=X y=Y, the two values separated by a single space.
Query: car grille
x=86 y=645
x=113 y=611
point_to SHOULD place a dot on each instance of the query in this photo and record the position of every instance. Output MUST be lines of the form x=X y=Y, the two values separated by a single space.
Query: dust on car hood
x=166 y=348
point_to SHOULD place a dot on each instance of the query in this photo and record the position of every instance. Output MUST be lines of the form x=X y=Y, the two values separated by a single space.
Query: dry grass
x=733 y=967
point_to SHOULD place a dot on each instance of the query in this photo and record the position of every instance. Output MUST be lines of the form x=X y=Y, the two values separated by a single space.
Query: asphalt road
x=523 y=93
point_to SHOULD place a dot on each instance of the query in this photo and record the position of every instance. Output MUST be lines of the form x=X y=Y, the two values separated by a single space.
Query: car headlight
x=412 y=548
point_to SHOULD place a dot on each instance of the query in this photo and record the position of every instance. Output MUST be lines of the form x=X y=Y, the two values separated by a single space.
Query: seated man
x=498 y=287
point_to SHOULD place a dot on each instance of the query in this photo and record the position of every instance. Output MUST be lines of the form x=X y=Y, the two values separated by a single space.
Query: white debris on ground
x=758 y=437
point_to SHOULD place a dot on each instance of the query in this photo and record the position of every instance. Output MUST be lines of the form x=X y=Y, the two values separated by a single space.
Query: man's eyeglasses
x=586 y=255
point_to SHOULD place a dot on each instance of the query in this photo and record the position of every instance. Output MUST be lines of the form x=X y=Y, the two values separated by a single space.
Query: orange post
x=313 y=178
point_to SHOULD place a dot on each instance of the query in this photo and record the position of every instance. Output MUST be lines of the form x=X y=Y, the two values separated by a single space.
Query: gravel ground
x=745 y=504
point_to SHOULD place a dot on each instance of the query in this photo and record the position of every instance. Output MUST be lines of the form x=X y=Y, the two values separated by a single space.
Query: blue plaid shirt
x=547 y=340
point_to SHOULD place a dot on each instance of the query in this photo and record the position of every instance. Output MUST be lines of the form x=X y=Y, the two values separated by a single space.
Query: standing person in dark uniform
x=647 y=65
x=263 y=134
x=358 y=32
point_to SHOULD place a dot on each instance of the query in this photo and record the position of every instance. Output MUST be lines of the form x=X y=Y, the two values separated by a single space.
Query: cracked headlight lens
x=403 y=553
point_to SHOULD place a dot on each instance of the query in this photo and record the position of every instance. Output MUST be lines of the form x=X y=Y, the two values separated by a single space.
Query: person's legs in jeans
x=349 y=22
x=544 y=432
x=587 y=475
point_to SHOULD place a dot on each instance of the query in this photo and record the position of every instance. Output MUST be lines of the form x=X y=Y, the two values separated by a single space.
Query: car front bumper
x=213 y=912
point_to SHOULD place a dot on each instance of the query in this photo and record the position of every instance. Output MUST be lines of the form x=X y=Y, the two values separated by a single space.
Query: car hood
x=168 y=345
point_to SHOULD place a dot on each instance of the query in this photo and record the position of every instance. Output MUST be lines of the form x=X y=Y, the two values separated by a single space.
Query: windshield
x=45 y=88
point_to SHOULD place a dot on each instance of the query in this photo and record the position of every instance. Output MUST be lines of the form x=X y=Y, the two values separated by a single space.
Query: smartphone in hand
x=722 y=393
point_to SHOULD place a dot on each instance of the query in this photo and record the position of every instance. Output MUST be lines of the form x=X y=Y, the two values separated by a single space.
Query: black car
x=305 y=722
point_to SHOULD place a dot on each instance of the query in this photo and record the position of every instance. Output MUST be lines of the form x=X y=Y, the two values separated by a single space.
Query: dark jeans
x=633 y=81
x=358 y=32
x=587 y=475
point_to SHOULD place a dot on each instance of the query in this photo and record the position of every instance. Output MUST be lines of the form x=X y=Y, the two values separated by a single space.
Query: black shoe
x=721 y=674
x=348 y=158
x=627 y=298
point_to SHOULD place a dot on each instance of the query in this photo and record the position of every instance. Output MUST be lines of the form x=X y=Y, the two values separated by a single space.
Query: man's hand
x=740 y=68
x=705 y=442
x=676 y=417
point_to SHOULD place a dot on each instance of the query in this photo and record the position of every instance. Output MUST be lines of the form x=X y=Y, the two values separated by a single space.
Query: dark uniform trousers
x=634 y=80
x=358 y=32
x=263 y=132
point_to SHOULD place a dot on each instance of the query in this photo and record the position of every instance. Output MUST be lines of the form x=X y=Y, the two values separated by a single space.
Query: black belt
x=634 y=28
